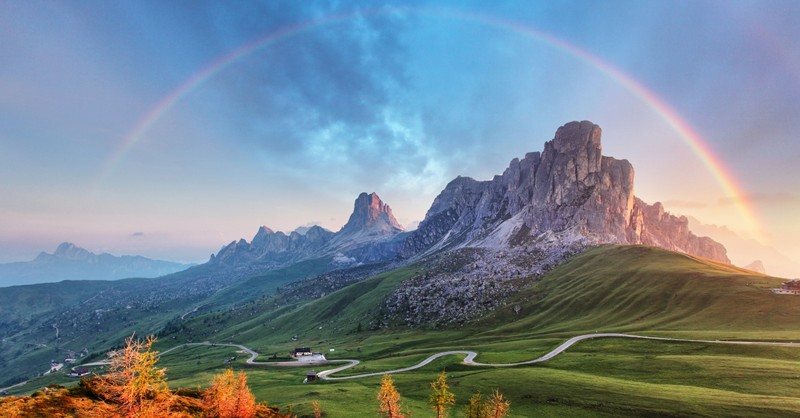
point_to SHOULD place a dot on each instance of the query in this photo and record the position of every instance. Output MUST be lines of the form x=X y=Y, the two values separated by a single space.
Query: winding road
x=469 y=356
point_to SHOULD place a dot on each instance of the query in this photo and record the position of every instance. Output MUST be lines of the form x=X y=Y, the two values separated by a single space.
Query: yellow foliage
x=229 y=396
x=134 y=383
x=389 y=399
x=441 y=398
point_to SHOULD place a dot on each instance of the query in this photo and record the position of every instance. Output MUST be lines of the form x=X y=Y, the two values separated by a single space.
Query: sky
x=170 y=128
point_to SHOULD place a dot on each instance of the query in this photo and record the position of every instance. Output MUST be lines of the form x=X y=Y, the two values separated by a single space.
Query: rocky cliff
x=568 y=192
x=366 y=237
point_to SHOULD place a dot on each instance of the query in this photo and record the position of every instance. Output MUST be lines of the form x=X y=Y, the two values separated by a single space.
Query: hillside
x=637 y=289
x=645 y=289
x=611 y=288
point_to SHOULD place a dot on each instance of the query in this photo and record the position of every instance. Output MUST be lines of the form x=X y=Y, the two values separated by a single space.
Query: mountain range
x=567 y=195
x=480 y=243
x=69 y=262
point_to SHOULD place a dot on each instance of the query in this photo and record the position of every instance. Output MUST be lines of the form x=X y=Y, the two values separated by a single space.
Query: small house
x=311 y=376
x=301 y=351
x=792 y=287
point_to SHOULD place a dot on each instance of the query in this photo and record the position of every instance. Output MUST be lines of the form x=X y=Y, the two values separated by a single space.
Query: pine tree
x=389 y=399
x=441 y=398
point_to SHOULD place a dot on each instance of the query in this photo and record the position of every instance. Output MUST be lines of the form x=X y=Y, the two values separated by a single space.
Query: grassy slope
x=636 y=288
x=633 y=289
x=268 y=282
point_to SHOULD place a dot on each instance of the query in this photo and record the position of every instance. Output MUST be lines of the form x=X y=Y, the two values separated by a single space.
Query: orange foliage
x=389 y=399
x=229 y=396
x=134 y=383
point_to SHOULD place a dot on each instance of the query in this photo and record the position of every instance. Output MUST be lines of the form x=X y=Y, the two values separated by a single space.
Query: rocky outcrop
x=366 y=237
x=273 y=249
x=569 y=190
x=371 y=216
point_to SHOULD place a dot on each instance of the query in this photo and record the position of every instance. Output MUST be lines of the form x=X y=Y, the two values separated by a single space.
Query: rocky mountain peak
x=371 y=216
x=569 y=192
x=69 y=251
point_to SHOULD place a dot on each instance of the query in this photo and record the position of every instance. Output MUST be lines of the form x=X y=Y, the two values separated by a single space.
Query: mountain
x=756 y=266
x=69 y=262
x=743 y=251
x=366 y=237
x=568 y=193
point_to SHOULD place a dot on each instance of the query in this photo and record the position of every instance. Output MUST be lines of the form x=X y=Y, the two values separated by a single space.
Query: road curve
x=469 y=356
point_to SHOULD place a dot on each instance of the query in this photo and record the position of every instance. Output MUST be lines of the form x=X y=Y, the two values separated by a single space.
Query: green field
x=607 y=289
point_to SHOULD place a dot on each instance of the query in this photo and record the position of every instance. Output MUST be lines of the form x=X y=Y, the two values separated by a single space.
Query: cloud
x=137 y=235
x=763 y=198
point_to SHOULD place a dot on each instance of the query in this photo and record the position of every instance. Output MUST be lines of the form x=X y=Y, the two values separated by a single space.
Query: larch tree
x=389 y=399
x=494 y=407
x=229 y=396
x=441 y=398
x=475 y=407
x=317 y=409
x=497 y=406
x=134 y=383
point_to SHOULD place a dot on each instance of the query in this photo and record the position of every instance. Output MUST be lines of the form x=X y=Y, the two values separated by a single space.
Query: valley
x=552 y=282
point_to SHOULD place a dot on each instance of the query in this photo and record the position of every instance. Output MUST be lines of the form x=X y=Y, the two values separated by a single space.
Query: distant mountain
x=567 y=195
x=70 y=262
x=743 y=251
x=756 y=266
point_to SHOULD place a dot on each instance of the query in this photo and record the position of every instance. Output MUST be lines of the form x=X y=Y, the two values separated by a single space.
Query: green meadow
x=630 y=289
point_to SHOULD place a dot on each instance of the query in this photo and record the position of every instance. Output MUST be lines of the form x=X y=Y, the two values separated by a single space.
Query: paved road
x=469 y=356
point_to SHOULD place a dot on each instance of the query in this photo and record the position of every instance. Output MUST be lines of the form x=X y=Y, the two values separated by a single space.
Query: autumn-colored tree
x=475 y=407
x=494 y=407
x=134 y=383
x=497 y=406
x=317 y=410
x=229 y=396
x=441 y=398
x=389 y=399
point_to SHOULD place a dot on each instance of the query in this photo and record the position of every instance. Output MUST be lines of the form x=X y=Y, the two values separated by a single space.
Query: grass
x=630 y=289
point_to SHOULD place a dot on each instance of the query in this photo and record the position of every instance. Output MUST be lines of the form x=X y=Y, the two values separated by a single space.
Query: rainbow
x=698 y=145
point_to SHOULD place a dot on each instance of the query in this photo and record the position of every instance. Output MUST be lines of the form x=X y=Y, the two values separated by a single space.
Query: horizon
x=168 y=131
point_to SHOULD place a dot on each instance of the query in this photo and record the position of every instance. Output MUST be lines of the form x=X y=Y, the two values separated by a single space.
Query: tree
x=497 y=406
x=389 y=399
x=494 y=407
x=475 y=407
x=229 y=396
x=441 y=398
x=317 y=410
x=134 y=383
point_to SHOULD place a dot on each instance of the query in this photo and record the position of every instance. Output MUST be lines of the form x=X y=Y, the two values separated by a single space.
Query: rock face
x=569 y=190
x=366 y=237
x=371 y=217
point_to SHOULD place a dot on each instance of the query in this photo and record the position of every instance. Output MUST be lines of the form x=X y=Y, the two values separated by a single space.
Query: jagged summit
x=371 y=216
x=69 y=251
x=370 y=223
x=569 y=192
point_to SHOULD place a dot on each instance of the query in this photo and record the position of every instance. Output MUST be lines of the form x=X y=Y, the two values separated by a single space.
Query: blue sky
x=368 y=97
